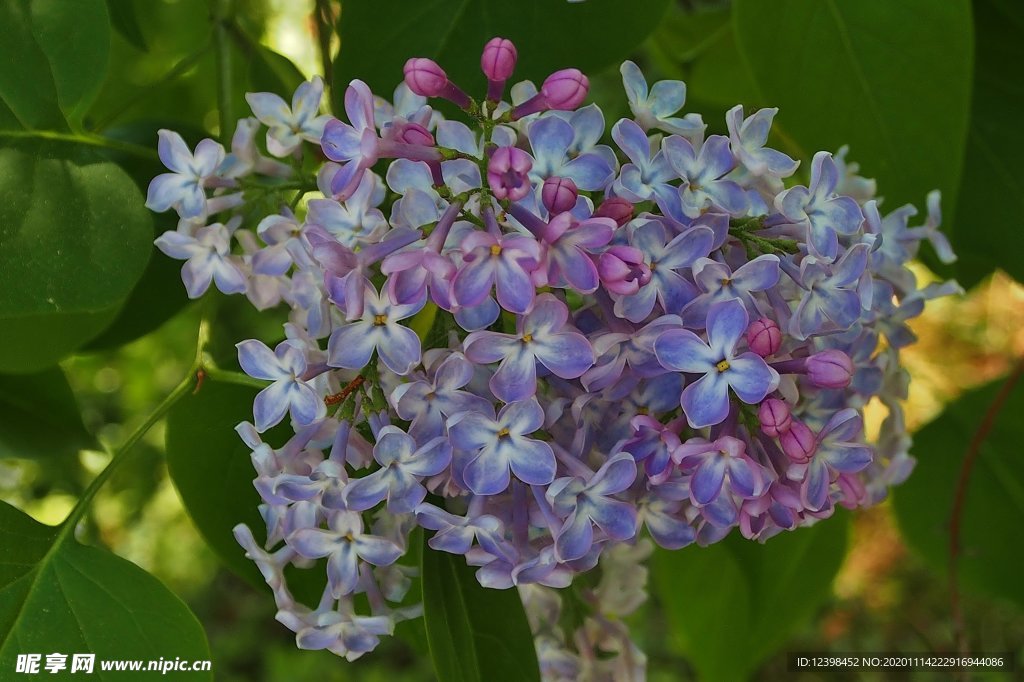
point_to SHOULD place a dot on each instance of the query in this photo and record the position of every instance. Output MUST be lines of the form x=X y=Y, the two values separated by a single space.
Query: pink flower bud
x=616 y=208
x=409 y=133
x=798 y=442
x=565 y=89
x=424 y=77
x=764 y=337
x=774 y=416
x=499 y=59
x=622 y=270
x=830 y=369
x=559 y=194
x=507 y=173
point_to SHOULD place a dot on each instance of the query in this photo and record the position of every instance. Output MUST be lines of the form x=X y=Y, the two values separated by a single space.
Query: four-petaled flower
x=289 y=393
x=818 y=207
x=501 y=444
x=289 y=126
x=352 y=344
x=589 y=503
x=207 y=258
x=706 y=401
x=541 y=337
x=402 y=466
x=702 y=172
x=183 y=188
x=344 y=543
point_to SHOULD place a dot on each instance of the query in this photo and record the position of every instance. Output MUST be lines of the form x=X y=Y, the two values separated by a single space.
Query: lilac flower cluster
x=537 y=344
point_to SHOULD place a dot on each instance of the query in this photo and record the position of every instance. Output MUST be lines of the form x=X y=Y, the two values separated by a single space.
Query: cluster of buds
x=536 y=346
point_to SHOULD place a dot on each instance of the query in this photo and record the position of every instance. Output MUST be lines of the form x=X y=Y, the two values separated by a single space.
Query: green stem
x=324 y=30
x=177 y=70
x=228 y=377
x=222 y=51
x=84 y=138
x=120 y=456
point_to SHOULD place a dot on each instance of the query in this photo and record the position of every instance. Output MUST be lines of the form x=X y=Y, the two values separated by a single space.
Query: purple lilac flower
x=817 y=206
x=289 y=126
x=207 y=259
x=285 y=366
x=541 y=336
x=748 y=137
x=706 y=401
x=500 y=445
x=702 y=173
x=589 y=503
x=352 y=345
x=183 y=188
x=502 y=263
x=550 y=139
x=718 y=282
x=344 y=544
x=403 y=465
x=656 y=108
x=427 y=403
x=838 y=451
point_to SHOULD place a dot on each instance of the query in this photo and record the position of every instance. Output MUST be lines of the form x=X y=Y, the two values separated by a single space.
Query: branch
x=973 y=451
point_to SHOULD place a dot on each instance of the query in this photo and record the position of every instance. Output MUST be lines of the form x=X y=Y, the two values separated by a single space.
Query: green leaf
x=55 y=60
x=993 y=512
x=270 y=71
x=124 y=17
x=735 y=603
x=213 y=472
x=991 y=204
x=891 y=79
x=59 y=596
x=454 y=32
x=75 y=238
x=475 y=634
x=39 y=416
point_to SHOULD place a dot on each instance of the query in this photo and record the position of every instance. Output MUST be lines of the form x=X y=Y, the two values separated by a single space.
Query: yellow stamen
x=503 y=433
x=722 y=365
x=495 y=249
x=527 y=338
x=380 y=320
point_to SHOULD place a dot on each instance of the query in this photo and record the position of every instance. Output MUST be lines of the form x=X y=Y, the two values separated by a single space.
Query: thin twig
x=956 y=515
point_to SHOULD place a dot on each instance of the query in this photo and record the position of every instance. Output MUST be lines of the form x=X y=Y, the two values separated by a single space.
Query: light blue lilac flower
x=656 y=108
x=718 y=282
x=207 y=257
x=706 y=401
x=589 y=503
x=818 y=207
x=353 y=344
x=426 y=403
x=831 y=301
x=541 y=336
x=839 y=451
x=550 y=140
x=748 y=137
x=503 y=263
x=285 y=366
x=183 y=189
x=501 y=445
x=289 y=126
x=344 y=544
x=403 y=465
x=703 y=172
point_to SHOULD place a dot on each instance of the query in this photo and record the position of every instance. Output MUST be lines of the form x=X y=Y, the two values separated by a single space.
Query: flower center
x=527 y=338
x=726 y=281
x=503 y=433
x=380 y=320
x=495 y=249
x=722 y=365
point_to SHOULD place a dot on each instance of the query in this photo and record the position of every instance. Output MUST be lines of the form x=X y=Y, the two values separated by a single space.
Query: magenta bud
x=830 y=369
x=565 y=89
x=774 y=417
x=413 y=133
x=798 y=442
x=622 y=270
x=424 y=77
x=507 y=173
x=559 y=194
x=764 y=337
x=616 y=208
x=498 y=60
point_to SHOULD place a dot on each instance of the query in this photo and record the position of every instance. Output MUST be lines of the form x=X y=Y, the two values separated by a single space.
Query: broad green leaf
x=74 y=239
x=700 y=48
x=475 y=634
x=591 y=36
x=990 y=210
x=270 y=71
x=891 y=79
x=39 y=417
x=993 y=511
x=55 y=60
x=69 y=598
x=212 y=470
x=124 y=17
x=735 y=603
